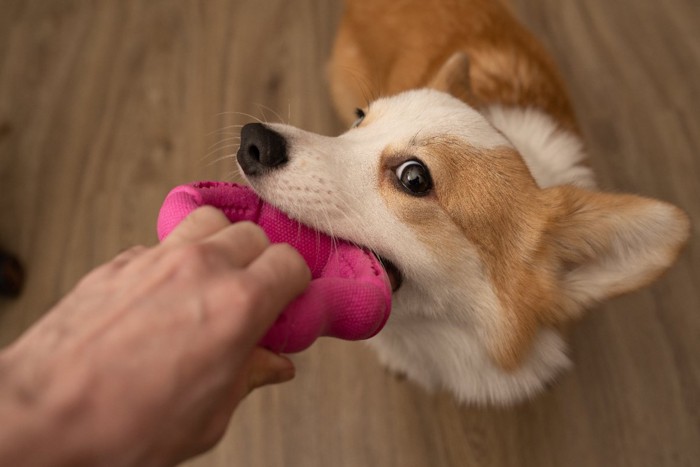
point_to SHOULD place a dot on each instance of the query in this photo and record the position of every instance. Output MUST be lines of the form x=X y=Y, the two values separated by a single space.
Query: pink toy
x=349 y=296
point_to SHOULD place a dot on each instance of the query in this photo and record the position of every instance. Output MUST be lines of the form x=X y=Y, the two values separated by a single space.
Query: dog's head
x=431 y=186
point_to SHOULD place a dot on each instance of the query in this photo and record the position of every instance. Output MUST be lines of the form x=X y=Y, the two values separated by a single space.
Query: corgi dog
x=467 y=176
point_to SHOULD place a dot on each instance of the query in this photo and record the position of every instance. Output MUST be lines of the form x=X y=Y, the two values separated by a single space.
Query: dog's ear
x=593 y=247
x=453 y=78
x=603 y=245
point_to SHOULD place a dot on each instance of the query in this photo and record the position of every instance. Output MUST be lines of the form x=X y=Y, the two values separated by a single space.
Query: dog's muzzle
x=262 y=149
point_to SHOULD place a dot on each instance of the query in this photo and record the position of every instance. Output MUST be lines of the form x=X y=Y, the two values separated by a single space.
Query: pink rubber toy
x=349 y=296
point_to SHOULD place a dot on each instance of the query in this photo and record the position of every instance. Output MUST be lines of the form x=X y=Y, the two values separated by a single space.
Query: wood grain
x=106 y=105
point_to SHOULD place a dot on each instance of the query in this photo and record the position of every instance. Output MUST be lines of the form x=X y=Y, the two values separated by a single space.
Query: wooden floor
x=106 y=105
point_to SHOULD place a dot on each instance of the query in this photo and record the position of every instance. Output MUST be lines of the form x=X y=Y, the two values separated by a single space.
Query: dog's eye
x=360 y=114
x=414 y=177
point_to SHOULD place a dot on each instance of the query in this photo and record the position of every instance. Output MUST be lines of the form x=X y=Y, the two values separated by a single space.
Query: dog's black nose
x=261 y=149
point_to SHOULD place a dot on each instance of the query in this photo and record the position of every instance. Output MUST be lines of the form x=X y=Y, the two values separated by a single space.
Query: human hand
x=145 y=360
x=350 y=293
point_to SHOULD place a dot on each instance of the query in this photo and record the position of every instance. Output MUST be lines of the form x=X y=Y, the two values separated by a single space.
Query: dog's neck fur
x=455 y=360
x=554 y=155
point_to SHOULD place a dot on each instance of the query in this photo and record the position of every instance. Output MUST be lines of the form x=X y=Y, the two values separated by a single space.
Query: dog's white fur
x=554 y=156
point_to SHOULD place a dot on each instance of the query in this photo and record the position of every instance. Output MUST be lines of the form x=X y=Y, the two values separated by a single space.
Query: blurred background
x=105 y=105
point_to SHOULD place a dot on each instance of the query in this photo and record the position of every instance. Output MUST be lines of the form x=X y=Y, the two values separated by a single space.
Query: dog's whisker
x=220 y=159
x=414 y=139
x=334 y=243
x=213 y=152
x=316 y=226
x=227 y=134
x=233 y=176
x=224 y=128
x=222 y=145
x=244 y=115
x=225 y=142
x=363 y=84
x=263 y=107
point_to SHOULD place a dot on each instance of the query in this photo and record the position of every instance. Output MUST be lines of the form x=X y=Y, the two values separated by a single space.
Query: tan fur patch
x=499 y=208
x=398 y=49
x=454 y=78
x=488 y=198
x=589 y=229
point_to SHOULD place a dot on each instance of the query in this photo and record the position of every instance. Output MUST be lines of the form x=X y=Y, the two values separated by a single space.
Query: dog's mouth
x=394 y=274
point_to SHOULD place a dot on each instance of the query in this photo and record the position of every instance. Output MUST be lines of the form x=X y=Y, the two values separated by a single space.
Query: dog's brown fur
x=384 y=47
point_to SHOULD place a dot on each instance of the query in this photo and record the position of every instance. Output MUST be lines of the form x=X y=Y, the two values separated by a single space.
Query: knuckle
x=207 y=214
x=239 y=301
x=114 y=265
x=129 y=253
x=107 y=269
x=292 y=258
x=96 y=276
x=288 y=250
x=252 y=233
x=204 y=218
x=199 y=256
x=136 y=249
x=248 y=293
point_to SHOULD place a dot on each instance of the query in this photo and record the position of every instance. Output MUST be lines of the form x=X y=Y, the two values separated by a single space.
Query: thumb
x=264 y=367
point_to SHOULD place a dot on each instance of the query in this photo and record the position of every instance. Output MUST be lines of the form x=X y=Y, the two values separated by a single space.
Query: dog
x=467 y=176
